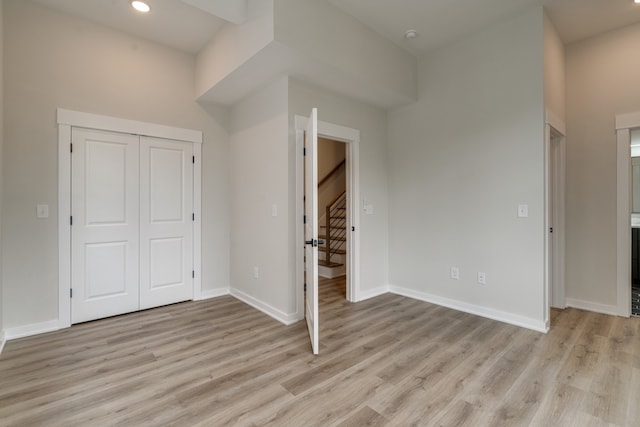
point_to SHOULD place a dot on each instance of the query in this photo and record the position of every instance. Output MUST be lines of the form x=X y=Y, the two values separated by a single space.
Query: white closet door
x=105 y=238
x=166 y=224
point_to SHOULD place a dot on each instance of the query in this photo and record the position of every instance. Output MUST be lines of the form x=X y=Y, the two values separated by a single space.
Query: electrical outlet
x=482 y=278
x=256 y=272
x=455 y=273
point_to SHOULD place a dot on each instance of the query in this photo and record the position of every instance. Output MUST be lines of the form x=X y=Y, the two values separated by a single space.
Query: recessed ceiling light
x=636 y=1
x=412 y=34
x=140 y=6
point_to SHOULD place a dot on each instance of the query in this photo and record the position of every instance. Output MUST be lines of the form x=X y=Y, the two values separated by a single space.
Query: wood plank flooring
x=388 y=361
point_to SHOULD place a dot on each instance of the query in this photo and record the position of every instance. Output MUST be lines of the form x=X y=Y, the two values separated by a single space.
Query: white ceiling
x=576 y=20
x=438 y=22
x=170 y=22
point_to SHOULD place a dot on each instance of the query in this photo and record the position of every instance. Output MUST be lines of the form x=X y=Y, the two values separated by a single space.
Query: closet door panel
x=166 y=222
x=104 y=232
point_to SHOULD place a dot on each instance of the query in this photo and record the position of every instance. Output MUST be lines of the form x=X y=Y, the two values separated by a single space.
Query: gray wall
x=602 y=82
x=54 y=60
x=259 y=180
x=460 y=161
x=554 y=71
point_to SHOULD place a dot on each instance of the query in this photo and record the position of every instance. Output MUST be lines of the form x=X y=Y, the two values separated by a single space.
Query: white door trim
x=554 y=215
x=352 y=139
x=624 y=124
x=67 y=119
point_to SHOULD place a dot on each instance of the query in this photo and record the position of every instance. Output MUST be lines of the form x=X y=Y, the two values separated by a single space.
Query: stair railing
x=335 y=226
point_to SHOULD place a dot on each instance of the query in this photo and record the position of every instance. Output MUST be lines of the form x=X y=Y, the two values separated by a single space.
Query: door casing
x=624 y=124
x=67 y=119
x=554 y=214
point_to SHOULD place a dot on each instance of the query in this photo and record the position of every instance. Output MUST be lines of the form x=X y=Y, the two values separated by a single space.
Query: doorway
x=332 y=208
x=635 y=222
x=350 y=138
x=626 y=124
x=554 y=215
x=168 y=226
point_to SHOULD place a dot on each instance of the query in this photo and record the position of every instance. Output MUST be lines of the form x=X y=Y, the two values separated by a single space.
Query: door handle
x=314 y=242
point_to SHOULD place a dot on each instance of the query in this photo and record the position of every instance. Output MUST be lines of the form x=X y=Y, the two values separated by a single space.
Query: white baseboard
x=287 y=319
x=371 y=293
x=2 y=341
x=33 y=329
x=331 y=273
x=501 y=316
x=213 y=293
x=592 y=306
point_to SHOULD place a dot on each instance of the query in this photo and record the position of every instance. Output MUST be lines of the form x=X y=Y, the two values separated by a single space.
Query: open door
x=311 y=228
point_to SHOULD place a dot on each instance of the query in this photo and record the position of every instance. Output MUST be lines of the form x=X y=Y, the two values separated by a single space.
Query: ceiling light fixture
x=140 y=6
x=412 y=34
x=636 y=1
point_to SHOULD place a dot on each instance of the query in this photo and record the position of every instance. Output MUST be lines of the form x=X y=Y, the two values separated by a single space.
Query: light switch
x=42 y=211
x=523 y=211
x=274 y=210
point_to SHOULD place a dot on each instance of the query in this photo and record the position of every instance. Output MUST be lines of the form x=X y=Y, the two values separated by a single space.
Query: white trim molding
x=33 y=329
x=592 y=306
x=3 y=341
x=554 y=214
x=280 y=316
x=68 y=119
x=501 y=316
x=624 y=124
x=115 y=124
x=372 y=293
x=213 y=293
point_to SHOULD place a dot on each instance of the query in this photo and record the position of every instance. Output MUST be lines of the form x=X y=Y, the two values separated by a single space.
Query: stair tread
x=333 y=251
x=340 y=239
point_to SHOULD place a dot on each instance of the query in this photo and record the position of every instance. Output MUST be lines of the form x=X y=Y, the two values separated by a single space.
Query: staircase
x=333 y=231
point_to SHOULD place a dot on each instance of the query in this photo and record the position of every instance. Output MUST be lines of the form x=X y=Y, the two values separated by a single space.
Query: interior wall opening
x=332 y=210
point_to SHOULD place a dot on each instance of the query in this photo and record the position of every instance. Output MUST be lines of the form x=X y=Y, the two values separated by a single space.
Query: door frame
x=554 y=213
x=66 y=120
x=351 y=137
x=624 y=124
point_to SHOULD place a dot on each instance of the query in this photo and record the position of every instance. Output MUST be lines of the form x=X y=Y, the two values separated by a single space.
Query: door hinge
x=71 y=220
x=305 y=287
x=193 y=274
x=71 y=293
x=193 y=159
x=550 y=229
x=193 y=217
x=71 y=148
x=353 y=229
x=304 y=151
x=304 y=219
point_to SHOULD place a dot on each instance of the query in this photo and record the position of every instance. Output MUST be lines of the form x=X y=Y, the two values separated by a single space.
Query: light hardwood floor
x=387 y=361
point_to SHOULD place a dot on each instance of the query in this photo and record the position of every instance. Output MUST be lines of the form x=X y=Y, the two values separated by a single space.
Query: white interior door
x=104 y=232
x=166 y=222
x=311 y=228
